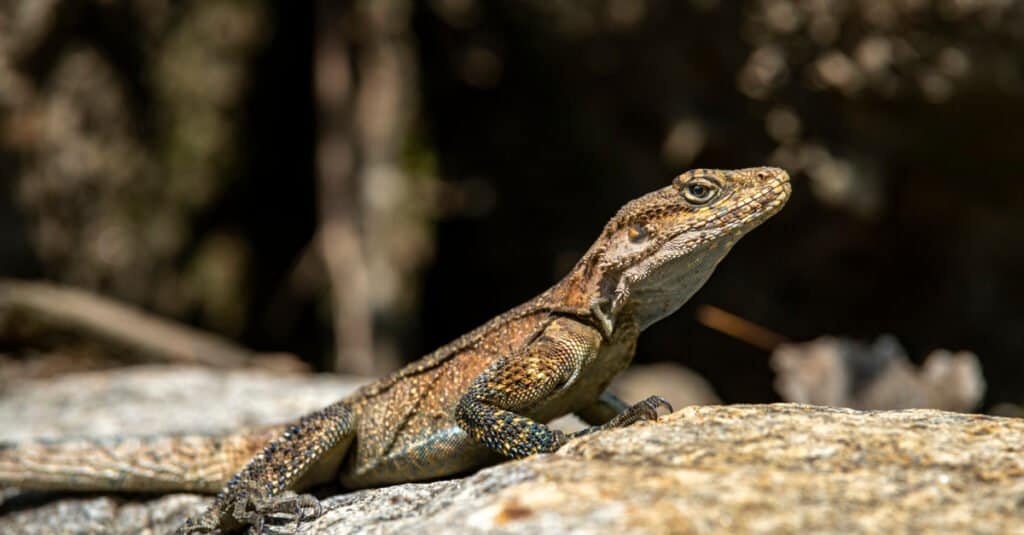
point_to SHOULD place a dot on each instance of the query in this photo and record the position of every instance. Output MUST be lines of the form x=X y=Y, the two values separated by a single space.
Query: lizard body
x=484 y=396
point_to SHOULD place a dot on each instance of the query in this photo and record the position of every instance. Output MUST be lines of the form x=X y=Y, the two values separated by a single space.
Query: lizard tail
x=171 y=463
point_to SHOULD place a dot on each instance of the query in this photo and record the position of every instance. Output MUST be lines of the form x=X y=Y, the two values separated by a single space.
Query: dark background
x=172 y=155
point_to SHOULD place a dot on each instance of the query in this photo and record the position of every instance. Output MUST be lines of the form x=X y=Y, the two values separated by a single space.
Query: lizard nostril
x=761 y=175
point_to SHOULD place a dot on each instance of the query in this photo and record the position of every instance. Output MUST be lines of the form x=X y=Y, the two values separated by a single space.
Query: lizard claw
x=196 y=525
x=646 y=410
x=251 y=508
x=652 y=404
x=287 y=507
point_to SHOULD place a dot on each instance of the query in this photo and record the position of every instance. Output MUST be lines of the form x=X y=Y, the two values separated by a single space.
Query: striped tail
x=169 y=463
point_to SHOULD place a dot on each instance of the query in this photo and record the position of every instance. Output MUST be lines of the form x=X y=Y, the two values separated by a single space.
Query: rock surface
x=843 y=372
x=713 y=469
x=160 y=399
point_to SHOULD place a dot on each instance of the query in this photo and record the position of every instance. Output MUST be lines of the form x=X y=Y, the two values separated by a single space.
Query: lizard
x=484 y=397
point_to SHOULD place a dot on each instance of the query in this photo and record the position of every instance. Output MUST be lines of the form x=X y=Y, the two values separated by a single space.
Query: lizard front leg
x=308 y=451
x=492 y=410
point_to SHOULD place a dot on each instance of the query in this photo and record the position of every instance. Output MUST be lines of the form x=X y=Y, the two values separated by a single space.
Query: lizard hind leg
x=602 y=415
x=641 y=411
x=307 y=453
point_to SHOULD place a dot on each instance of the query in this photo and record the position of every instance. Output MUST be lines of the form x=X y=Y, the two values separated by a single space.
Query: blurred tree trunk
x=126 y=135
x=371 y=238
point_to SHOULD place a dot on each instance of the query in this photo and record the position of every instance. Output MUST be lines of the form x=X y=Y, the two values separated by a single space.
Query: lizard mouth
x=766 y=201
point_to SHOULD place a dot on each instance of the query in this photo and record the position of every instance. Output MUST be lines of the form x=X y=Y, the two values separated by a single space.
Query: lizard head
x=659 y=249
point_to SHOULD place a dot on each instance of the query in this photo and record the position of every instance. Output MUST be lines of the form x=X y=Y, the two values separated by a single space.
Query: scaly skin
x=485 y=396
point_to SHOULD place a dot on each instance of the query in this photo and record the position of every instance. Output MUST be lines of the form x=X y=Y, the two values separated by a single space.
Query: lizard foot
x=251 y=508
x=200 y=524
x=286 y=507
x=643 y=411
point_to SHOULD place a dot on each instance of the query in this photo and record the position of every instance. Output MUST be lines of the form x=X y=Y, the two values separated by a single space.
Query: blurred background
x=357 y=183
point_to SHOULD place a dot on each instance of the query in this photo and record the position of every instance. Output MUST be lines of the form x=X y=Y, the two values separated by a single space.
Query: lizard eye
x=700 y=191
x=637 y=233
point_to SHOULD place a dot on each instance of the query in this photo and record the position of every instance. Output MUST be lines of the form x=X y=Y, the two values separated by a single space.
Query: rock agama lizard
x=481 y=398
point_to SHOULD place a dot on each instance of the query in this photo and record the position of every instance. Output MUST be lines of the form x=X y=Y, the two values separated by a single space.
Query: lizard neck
x=657 y=293
x=582 y=286
x=651 y=290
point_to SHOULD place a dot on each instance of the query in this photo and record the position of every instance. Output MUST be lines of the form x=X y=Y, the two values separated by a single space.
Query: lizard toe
x=653 y=403
x=642 y=411
x=283 y=508
x=200 y=524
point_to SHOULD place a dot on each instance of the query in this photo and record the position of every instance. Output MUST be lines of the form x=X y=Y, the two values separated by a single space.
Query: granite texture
x=781 y=468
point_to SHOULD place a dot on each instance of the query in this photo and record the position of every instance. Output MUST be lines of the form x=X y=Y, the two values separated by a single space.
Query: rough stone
x=705 y=469
x=159 y=399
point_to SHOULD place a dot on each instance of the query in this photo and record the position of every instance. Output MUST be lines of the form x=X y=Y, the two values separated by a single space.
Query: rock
x=715 y=469
x=159 y=399
x=734 y=469
x=840 y=372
